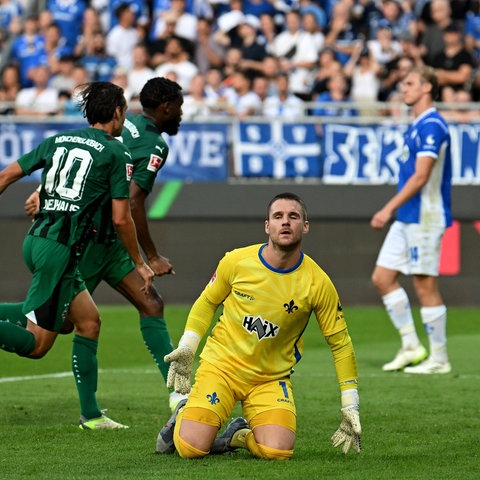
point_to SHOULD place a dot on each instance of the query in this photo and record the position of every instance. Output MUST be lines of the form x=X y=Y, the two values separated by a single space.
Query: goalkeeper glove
x=181 y=362
x=350 y=429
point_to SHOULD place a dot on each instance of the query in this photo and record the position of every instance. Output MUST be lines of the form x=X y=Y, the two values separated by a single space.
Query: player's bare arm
x=9 y=175
x=125 y=227
x=415 y=183
x=159 y=264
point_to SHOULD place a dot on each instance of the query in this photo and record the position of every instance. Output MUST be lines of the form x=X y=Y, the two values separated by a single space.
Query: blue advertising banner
x=343 y=154
x=276 y=149
x=197 y=153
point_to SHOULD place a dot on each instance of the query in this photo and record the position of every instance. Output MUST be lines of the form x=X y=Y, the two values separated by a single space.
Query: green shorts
x=104 y=261
x=55 y=283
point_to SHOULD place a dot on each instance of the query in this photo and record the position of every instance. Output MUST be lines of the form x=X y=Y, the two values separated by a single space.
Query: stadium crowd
x=238 y=57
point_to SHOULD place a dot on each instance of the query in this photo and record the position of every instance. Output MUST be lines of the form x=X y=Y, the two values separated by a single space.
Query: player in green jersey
x=82 y=170
x=105 y=258
x=268 y=292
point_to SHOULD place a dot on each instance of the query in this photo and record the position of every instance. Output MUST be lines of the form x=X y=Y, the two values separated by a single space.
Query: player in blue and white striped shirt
x=412 y=245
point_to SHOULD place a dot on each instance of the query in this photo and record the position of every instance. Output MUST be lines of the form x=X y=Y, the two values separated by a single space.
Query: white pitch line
x=69 y=374
x=154 y=371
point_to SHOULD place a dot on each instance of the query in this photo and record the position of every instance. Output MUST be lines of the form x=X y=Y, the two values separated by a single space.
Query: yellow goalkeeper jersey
x=258 y=337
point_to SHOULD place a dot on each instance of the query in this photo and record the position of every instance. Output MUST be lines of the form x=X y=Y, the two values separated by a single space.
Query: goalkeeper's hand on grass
x=350 y=429
x=181 y=364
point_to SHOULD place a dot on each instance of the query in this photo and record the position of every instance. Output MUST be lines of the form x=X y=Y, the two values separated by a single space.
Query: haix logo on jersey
x=263 y=328
x=155 y=163
x=129 y=168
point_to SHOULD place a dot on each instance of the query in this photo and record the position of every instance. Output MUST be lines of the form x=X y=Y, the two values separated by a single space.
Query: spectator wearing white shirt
x=140 y=73
x=240 y=99
x=121 y=39
x=298 y=53
x=177 y=62
x=185 y=26
x=39 y=99
x=283 y=104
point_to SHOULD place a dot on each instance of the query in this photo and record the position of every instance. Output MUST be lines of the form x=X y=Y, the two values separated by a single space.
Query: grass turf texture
x=415 y=427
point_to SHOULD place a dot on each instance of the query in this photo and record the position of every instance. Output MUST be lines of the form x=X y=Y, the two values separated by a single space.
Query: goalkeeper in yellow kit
x=268 y=293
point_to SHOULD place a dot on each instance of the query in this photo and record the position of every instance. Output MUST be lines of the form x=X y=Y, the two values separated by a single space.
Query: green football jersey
x=82 y=171
x=149 y=150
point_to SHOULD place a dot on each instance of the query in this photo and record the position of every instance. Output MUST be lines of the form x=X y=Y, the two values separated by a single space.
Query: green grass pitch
x=413 y=427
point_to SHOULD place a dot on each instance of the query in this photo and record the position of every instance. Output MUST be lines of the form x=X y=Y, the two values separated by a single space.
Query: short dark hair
x=159 y=90
x=99 y=100
x=288 y=196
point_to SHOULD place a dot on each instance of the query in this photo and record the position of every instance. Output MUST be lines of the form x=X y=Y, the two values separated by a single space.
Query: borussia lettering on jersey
x=263 y=328
x=155 y=163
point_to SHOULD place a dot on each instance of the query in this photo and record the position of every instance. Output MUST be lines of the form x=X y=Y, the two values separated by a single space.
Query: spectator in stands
x=432 y=39
x=68 y=15
x=140 y=72
x=460 y=108
x=297 y=52
x=120 y=78
x=253 y=51
x=9 y=87
x=62 y=80
x=269 y=29
x=283 y=104
x=69 y=100
x=28 y=49
x=186 y=22
x=261 y=86
x=195 y=103
x=472 y=29
x=240 y=100
x=55 y=47
x=10 y=17
x=454 y=65
x=384 y=48
x=233 y=59
x=90 y=26
x=364 y=72
x=208 y=53
x=214 y=86
x=39 y=99
x=342 y=32
x=139 y=9
x=398 y=14
x=123 y=37
x=335 y=101
x=45 y=19
x=397 y=71
x=156 y=47
x=177 y=61
x=410 y=47
x=97 y=62
x=311 y=7
x=328 y=66
x=310 y=25
x=270 y=69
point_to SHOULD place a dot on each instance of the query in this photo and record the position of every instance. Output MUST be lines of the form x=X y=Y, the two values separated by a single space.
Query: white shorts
x=412 y=249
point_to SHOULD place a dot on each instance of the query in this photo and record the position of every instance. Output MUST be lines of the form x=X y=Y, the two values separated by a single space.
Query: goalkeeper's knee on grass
x=262 y=451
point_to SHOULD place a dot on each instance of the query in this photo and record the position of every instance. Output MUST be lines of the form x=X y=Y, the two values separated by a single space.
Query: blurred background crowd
x=239 y=57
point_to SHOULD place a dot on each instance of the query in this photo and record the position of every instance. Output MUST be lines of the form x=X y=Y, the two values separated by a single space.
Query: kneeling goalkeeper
x=268 y=292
